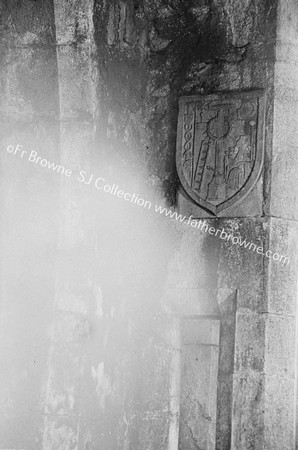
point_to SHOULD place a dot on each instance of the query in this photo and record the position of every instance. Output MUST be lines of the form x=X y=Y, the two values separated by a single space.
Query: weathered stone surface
x=284 y=164
x=29 y=85
x=61 y=433
x=248 y=411
x=20 y=24
x=282 y=272
x=249 y=342
x=220 y=147
x=250 y=206
x=199 y=369
x=29 y=109
x=77 y=97
x=224 y=410
x=240 y=267
x=191 y=281
x=122 y=66
x=74 y=24
x=280 y=346
x=29 y=66
x=243 y=67
x=279 y=407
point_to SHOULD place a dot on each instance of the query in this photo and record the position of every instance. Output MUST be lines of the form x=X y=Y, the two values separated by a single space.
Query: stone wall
x=29 y=110
x=95 y=290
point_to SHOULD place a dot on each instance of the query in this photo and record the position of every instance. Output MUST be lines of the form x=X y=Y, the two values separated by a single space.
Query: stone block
x=27 y=23
x=286 y=22
x=249 y=342
x=284 y=176
x=192 y=277
x=282 y=272
x=248 y=411
x=29 y=80
x=224 y=411
x=286 y=73
x=284 y=168
x=280 y=345
x=74 y=21
x=77 y=147
x=286 y=52
x=279 y=409
x=241 y=267
x=77 y=96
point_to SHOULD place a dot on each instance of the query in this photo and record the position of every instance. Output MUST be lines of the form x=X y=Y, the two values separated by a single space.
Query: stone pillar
x=261 y=380
x=74 y=370
x=282 y=211
x=29 y=113
x=264 y=386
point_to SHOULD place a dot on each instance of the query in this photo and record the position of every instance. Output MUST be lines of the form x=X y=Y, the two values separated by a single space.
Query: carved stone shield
x=220 y=147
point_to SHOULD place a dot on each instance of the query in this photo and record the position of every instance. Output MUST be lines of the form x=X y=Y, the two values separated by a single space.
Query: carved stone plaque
x=220 y=147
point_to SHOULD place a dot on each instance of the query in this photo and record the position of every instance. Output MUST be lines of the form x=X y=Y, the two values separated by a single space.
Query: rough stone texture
x=264 y=285
x=284 y=167
x=248 y=411
x=199 y=368
x=279 y=426
x=95 y=85
x=75 y=321
x=28 y=112
x=283 y=277
x=240 y=67
x=281 y=344
x=191 y=276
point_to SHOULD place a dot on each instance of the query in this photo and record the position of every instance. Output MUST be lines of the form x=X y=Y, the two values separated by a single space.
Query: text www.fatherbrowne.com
x=100 y=184
x=202 y=225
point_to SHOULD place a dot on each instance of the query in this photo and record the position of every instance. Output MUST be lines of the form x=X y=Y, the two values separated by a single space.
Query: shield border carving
x=258 y=94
